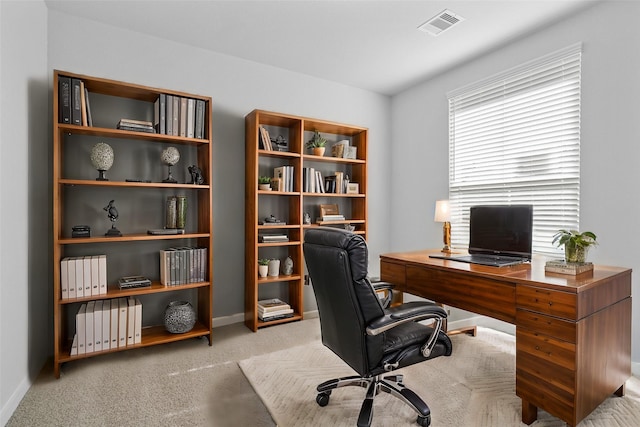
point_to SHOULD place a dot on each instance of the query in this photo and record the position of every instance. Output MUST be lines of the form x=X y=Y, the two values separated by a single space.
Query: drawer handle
x=550 y=303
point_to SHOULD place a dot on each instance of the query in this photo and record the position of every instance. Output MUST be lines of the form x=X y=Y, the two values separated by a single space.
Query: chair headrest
x=353 y=244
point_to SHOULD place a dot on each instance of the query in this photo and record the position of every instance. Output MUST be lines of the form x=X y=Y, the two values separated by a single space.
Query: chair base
x=391 y=384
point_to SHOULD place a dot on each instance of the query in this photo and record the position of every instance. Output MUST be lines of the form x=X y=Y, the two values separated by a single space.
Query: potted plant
x=264 y=183
x=317 y=143
x=263 y=267
x=576 y=244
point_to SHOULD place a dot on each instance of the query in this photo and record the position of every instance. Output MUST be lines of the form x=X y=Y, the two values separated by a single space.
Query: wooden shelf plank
x=128 y=238
x=122 y=184
x=114 y=292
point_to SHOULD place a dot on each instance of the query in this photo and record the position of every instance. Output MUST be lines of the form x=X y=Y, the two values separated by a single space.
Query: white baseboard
x=12 y=404
x=239 y=318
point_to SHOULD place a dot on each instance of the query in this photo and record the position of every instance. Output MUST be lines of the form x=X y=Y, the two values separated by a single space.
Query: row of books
x=273 y=309
x=266 y=143
x=179 y=116
x=84 y=276
x=286 y=176
x=107 y=324
x=312 y=181
x=73 y=102
x=182 y=265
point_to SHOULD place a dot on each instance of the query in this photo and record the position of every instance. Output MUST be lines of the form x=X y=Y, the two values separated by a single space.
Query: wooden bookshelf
x=71 y=181
x=291 y=206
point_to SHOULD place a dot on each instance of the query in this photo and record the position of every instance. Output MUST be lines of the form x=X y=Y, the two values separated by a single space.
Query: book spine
x=199 y=119
x=169 y=115
x=76 y=103
x=97 y=326
x=191 y=117
x=106 y=325
x=64 y=100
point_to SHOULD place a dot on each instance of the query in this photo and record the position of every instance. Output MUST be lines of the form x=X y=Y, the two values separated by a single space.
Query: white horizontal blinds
x=515 y=139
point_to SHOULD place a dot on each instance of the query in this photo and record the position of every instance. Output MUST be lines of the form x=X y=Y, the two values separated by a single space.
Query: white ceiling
x=374 y=45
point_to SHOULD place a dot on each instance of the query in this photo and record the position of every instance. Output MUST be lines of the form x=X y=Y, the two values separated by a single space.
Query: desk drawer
x=556 y=400
x=393 y=273
x=489 y=297
x=552 y=350
x=540 y=300
x=547 y=325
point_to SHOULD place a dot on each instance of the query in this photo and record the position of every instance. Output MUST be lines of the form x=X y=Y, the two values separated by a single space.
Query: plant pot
x=318 y=151
x=264 y=187
x=263 y=270
x=575 y=253
x=274 y=267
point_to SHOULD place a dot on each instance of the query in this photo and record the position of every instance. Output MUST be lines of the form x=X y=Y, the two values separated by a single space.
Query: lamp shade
x=443 y=214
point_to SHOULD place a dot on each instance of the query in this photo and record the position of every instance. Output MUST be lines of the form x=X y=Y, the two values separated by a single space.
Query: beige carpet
x=473 y=387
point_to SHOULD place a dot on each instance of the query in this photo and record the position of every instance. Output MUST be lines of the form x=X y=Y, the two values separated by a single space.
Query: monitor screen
x=501 y=230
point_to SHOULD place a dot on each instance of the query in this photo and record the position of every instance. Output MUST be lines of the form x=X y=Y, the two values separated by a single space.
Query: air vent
x=441 y=22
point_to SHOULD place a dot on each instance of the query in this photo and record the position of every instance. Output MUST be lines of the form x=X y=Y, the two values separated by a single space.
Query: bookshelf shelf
x=291 y=206
x=74 y=200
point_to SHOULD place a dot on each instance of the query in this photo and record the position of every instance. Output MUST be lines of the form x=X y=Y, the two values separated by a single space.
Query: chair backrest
x=337 y=264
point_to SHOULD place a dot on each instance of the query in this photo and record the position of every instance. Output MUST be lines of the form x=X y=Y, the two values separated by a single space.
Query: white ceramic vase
x=263 y=270
x=274 y=267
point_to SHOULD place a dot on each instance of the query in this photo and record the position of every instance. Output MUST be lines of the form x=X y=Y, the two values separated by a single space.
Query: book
x=76 y=103
x=272 y=304
x=113 y=330
x=169 y=115
x=106 y=324
x=264 y=238
x=95 y=273
x=133 y=282
x=199 y=128
x=89 y=318
x=183 y=117
x=191 y=117
x=571 y=268
x=102 y=274
x=272 y=314
x=165 y=231
x=64 y=101
x=79 y=277
x=131 y=320
x=74 y=346
x=122 y=322
x=137 y=330
x=81 y=328
x=278 y=317
x=159 y=114
x=175 y=126
x=97 y=326
x=86 y=275
x=64 y=278
x=83 y=104
x=71 y=275
x=88 y=107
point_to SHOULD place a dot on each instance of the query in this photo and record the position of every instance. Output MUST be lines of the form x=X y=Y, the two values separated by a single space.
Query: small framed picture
x=353 y=188
x=276 y=184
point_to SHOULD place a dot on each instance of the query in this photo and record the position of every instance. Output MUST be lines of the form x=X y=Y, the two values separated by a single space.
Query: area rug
x=474 y=387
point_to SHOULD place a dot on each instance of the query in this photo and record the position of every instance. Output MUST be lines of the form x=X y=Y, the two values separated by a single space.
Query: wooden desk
x=573 y=333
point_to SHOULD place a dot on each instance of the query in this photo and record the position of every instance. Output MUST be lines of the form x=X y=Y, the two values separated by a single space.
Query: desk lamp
x=443 y=214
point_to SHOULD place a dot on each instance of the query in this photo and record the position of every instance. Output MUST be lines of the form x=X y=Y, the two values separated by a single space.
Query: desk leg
x=469 y=330
x=529 y=412
x=619 y=392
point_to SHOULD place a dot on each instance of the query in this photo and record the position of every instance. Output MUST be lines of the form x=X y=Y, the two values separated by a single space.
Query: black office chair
x=358 y=329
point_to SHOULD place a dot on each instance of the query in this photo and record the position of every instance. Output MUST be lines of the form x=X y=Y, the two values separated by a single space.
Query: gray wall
x=25 y=298
x=236 y=87
x=610 y=136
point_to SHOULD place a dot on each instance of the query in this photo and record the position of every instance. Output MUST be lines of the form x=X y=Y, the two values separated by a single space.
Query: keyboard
x=491 y=260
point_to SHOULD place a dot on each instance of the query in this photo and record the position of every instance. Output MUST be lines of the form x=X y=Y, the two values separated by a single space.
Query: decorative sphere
x=179 y=317
x=170 y=156
x=102 y=156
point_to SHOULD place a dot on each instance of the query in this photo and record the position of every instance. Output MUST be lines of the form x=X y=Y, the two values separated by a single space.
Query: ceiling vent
x=441 y=22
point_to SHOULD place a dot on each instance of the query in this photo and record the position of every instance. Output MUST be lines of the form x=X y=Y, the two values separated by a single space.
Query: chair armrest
x=384 y=286
x=408 y=312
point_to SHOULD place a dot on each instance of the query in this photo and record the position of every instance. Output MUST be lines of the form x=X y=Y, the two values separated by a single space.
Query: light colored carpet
x=473 y=387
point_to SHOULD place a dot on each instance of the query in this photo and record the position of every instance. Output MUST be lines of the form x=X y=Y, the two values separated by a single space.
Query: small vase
x=274 y=267
x=318 y=151
x=266 y=187
x=179 y=317
x=181 y=212
x=263 y=270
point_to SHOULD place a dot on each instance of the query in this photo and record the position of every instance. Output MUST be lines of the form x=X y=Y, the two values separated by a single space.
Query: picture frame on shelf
x=276 y=184
x=329 y=209
x=353 y=188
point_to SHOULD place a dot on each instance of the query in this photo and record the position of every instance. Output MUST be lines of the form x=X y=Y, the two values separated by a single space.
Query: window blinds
x=515 y=139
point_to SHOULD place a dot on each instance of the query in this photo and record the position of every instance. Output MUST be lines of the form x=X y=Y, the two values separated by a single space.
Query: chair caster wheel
x=424 y=421
x=322 y=399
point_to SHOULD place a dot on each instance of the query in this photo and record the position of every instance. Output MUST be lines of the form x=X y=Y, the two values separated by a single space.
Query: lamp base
x=446 y=250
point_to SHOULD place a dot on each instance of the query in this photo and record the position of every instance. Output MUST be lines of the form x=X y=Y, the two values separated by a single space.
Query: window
x=515 y=139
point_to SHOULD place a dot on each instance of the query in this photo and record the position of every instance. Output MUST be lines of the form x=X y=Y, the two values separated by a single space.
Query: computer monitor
x=501 y=230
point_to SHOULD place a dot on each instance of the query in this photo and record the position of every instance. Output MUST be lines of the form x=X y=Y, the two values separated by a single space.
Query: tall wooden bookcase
x=135 y=183
x=291 y=206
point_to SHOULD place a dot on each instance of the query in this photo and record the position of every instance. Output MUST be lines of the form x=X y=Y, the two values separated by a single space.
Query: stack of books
x=336 y=217
x=133 y=282
x=273 y=309
x=272 y=238
x=136 y=125
x=572 y=268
